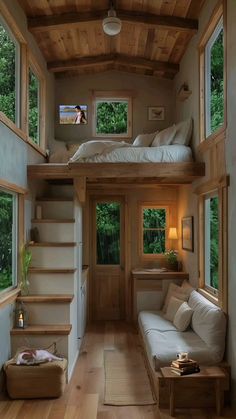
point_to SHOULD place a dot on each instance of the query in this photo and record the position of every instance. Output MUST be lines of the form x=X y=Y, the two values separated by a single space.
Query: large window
x=211 y=221
x=8 y=239
x=9 y=73
x=34 y=107
x=154 y=227
x=212 y=77
x=112 y=115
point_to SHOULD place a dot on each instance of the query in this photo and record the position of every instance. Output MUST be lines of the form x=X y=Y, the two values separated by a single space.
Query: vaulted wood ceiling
x=152 y=41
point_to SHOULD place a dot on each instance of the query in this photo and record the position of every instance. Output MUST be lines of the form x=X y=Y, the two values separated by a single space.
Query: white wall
x=148 y=91
x=15 y=154
x=187 y=201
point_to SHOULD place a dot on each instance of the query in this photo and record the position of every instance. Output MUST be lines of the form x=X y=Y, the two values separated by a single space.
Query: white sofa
x=204 y=340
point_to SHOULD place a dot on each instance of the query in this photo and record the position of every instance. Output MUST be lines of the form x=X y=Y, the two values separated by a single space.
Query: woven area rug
x=126 y=379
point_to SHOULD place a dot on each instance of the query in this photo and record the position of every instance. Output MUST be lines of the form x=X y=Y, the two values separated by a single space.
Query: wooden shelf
x=52 y=270
x=52 y=244
x=156 y=274
x=183 y=93
x=46 y=298
x=53 y=199
x=52 y=220
x=43 y=329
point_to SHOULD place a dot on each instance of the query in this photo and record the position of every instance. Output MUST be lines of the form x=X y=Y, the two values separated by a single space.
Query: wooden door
x=108 y=288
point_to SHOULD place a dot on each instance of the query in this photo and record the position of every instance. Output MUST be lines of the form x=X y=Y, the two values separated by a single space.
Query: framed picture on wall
x=156 y=113
x=187 y=234
x=73 y=114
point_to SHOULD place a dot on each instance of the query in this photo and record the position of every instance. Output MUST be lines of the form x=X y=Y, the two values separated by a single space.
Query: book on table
x=185 y=367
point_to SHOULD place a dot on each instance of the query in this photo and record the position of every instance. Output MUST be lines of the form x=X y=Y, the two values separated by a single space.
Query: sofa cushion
x=154 y=320
x=177 y=292
x=183 y=317
x=209 y=322
x=172 y=308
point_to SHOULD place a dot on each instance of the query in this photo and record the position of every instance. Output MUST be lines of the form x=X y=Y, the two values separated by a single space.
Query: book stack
x=184 y=367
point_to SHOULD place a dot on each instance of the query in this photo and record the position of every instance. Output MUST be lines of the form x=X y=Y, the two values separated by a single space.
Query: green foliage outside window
x=33 y=107
x=7 y=75
x=154 y=225
x=214 y=245
x=6 y=221
x=108 y=233
x=111 y=117
x=217 y=83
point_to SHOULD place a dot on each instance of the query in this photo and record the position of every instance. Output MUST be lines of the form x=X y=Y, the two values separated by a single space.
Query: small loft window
x=34 y=107
x=9 y=74
x=8 y=240
x=112 y=115
x=212 y=76
x=154 y=226
x=212 y=243
x=214 y=73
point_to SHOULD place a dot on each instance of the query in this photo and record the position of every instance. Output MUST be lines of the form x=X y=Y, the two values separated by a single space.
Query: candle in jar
x=21 y=321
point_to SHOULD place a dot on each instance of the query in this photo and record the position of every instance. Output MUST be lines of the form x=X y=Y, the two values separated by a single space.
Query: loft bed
x=166 y=159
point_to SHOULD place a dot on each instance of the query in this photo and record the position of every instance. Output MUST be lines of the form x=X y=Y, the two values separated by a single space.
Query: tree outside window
x=34 y=86
x=153 y=230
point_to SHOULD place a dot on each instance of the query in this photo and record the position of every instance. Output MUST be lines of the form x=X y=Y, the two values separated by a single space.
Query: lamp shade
x=172 y=235
x=111 y=24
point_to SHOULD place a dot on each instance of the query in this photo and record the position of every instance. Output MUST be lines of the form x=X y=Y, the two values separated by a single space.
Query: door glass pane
x=108 y=233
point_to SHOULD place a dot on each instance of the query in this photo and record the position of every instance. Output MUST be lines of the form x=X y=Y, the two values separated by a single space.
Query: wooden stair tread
x=43 y=329
x=53 y=199
x=46 y=298
x=53 y=220
x=52 y=244
x=35 y=270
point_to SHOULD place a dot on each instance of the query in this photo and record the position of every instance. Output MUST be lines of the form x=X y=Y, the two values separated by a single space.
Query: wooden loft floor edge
x=169 y=173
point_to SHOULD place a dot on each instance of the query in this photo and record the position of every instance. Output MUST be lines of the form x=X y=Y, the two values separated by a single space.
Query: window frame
x=146 y=205
x=21 y=131
x=217 y=187
x=35 y=68
x=15 y=238
x=206 y=139
x=17 y=44
x=114 y=95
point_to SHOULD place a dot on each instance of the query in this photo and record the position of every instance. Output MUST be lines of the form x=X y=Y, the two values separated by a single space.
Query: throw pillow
x=172 y=308
x=144 y=140
x=164 y=137
x=183 y=132
x=177 y=292
x=183 y=317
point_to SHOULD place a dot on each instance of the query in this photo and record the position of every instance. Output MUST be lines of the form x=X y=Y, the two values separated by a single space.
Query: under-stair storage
x=52 y=303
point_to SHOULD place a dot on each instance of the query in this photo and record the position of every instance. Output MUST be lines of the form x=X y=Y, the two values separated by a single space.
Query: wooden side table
x=214 y=373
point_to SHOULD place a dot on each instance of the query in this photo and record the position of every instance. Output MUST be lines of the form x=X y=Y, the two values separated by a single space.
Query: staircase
x=52 y=302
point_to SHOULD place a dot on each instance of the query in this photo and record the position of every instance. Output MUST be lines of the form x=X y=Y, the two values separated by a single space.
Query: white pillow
x=177 y=292
x=172 y=308
x=183 y=317
x=183 y=132
x=144 y=140
x=164 y=137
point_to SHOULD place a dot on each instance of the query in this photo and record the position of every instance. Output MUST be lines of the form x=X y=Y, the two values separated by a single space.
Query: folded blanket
x=97 y=147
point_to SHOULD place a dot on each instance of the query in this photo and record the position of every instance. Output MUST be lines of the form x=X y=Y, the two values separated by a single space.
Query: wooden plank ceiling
x=152 y=41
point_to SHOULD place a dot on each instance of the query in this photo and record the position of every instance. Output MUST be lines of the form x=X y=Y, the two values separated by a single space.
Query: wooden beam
x=68 y=20
x=80 y=188
x=166 y=172
x=91 y=61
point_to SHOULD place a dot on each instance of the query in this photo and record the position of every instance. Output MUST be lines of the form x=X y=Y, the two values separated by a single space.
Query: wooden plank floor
x=83 y=398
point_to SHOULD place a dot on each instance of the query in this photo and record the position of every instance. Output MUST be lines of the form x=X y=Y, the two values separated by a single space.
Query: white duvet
x=126 y=153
